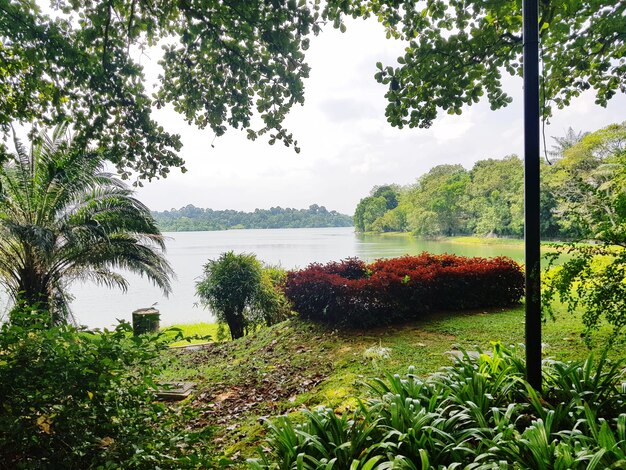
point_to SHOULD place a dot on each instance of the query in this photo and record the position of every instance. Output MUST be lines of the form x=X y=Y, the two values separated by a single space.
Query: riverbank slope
x=296 y=364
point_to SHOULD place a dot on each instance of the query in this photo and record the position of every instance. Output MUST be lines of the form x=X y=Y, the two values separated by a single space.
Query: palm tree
x=63 y=218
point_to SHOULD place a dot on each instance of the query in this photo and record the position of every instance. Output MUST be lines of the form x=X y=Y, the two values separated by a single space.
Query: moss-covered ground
x=296 y=364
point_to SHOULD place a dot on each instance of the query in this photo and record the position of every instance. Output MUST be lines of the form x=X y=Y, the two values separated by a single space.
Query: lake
x=99 y=307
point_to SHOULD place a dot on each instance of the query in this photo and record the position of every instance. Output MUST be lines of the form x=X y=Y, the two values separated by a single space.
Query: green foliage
x=479 y=414
x=295 y=363
x=368 y=211
x=63 y=218
x=589 y=182
x=271 y=304
x=80 y=399
x=592 y=278
x=394 y=220
x=241 y=292
x=593 y=205
x=230 y=62
x=241 y=64
x=437 y=201
x=435 y=205
x=190 y=218
x=561 y=144
x=495 y=197
x=582 y=194
x=229 y=286
x=456 y=55
x=390 y=192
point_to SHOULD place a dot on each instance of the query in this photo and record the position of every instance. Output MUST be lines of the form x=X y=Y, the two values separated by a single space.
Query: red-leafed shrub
x=352 y=293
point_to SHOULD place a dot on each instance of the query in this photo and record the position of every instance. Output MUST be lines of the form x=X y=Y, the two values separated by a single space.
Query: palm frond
x=63 y=218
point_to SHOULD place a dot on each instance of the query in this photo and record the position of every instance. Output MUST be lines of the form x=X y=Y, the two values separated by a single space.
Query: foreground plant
x=76 y=399
x=64 y=218
x=478 y=414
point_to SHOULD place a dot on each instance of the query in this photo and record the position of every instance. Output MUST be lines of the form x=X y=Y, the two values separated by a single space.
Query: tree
x=496 y=197
x=368 y=210
x=491 y=201
x=241 y=292
x=223 y=64
x=437 y=201
x=594 y=200
x=391 y=221
x=561 y=144
x=378 y=212
x=63 y=218
x=549 y=219
x=391 y=193
x=588 y=181
x=228 y=63
x=271 y=305
x=456 y=54
x=229 y=286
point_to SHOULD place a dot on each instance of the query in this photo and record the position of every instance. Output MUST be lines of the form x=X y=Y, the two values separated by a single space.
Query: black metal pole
x=531 y=193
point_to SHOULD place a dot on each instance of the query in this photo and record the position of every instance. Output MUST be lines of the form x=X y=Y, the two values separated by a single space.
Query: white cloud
x=451 y=127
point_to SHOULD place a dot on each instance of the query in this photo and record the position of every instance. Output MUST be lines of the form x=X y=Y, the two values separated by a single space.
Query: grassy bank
x=204 y=332
x=295 y=364
x=462 y=240
x=491 y=241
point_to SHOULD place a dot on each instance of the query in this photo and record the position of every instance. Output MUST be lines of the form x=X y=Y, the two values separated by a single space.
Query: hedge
x=353 y=293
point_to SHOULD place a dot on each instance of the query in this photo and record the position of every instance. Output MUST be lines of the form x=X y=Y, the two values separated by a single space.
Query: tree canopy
x=222 y=63
x=241 y=63
x=589 y=184
x=592 y=204
x=190 y=218
x=242 y=292
x=458 y=52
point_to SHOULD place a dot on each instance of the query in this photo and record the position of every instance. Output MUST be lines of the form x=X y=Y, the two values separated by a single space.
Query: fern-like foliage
x=478 y=414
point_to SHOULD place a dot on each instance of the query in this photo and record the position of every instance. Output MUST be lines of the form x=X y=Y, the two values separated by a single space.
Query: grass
x=473 y=240
x=465 y=240
x=294 y=364
x=546 y=245
x=203 y=332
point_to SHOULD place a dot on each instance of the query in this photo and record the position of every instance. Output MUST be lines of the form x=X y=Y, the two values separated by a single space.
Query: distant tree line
x=488 y=200
x=190 y=218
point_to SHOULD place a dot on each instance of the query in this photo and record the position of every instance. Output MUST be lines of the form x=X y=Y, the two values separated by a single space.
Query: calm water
x=291 y=248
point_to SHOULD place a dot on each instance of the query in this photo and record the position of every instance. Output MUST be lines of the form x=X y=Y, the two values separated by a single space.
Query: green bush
x=478 y=414
x=78 y=399
x=271 y=304
x=242 y=293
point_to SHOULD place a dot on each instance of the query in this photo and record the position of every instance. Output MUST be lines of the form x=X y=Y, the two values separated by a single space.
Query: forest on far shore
x=581 y=194
x=191 y=218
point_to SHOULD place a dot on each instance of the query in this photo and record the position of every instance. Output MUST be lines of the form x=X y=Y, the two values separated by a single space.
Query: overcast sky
x=347 y=144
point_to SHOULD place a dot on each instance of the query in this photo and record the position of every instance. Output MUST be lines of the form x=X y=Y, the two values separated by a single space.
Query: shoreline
x=460 y=240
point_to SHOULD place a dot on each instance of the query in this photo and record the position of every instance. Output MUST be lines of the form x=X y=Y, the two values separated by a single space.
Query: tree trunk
x=236 y=324
x=33 y=292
